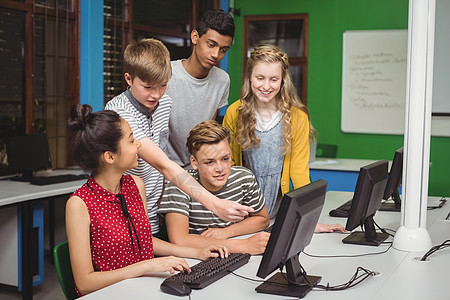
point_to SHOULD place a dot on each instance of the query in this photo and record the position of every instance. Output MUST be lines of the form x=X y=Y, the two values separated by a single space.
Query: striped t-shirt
x=241 y=187
x=154 y=125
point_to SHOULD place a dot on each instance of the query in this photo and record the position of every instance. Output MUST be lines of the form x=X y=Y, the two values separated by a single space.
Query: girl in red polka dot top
x=107 y=226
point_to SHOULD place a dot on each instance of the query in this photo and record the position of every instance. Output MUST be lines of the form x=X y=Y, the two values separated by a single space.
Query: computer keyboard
x=206 y=272
x=44 y=180
x=341 y=211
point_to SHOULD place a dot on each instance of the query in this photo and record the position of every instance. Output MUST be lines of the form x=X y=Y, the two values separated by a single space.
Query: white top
x=266 y=125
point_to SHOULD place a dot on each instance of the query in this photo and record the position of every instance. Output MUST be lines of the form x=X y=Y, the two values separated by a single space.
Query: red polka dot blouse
x=111 y=239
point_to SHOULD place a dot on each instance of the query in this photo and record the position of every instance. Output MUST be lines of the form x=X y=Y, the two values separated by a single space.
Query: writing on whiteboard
x=374 y=81
x=367 y=70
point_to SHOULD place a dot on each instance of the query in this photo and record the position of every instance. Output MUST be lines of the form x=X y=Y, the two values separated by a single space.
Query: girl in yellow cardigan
x=271 y=128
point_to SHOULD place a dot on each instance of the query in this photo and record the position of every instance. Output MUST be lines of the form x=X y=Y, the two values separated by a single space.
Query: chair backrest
x=64 y=270
x=326 y=150
x=312 y=151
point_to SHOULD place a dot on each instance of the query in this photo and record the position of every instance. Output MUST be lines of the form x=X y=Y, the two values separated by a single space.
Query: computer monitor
x=394 y=182
x=365 y=203
x=28 y=153
x=291 y=233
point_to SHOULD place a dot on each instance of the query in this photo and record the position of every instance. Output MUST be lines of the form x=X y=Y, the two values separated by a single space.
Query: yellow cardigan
x=295 y=165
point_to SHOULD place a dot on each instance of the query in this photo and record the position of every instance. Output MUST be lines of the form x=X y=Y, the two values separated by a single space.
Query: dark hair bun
x=79 y=116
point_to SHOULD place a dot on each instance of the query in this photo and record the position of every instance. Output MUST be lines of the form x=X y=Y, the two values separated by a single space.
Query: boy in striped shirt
x=146 y=108
x=189 y=223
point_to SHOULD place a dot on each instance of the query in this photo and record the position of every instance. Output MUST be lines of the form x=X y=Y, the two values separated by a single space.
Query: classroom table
x=341 y=173
x=394 y=266
x=415 y=279
x=22 y=195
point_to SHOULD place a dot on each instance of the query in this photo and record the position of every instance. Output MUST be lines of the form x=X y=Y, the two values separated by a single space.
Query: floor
x=50 y=289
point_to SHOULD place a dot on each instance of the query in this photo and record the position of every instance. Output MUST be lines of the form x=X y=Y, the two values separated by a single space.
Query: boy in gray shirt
x=199 y=88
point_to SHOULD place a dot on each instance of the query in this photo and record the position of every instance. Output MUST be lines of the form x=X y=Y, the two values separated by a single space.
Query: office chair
x=221 y=114
x=326 y=150
x=64 y=270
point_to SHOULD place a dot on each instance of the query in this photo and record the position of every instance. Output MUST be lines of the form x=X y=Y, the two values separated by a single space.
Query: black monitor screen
x=292 y=232
x=28 y=153
x=394 y=182
x=365 y=203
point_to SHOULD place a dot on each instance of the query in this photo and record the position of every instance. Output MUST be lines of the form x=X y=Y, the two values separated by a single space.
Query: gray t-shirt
x=241 y=187
x=194 y=101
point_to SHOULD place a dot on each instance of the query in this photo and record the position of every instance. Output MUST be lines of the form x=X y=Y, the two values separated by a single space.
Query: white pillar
x=412 y=234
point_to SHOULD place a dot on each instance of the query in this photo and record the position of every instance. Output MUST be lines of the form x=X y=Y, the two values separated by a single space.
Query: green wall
x=328 y=19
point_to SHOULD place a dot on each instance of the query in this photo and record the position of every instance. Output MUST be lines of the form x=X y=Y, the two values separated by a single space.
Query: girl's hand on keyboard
x=167 y=264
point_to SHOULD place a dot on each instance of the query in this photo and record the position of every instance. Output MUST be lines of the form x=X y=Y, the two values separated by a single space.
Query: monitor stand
x=367 y=237
x=359 y=238
x=279 y=285
x=392 y=206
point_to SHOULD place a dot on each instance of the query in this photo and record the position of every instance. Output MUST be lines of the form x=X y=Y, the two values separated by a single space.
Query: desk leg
x=51 y=225
x=27 y=225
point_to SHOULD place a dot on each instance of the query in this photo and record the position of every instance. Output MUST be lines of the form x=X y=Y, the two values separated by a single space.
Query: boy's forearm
x=185 y=182
x=191 y=187
x=249 y=225
x=153 y=155
x=197 y=241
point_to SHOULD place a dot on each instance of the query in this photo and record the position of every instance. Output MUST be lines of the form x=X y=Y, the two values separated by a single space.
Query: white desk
x=15 y=192
x=341 y=173
x=22 y=194
x=394 y=267
x=423 y=280
x=339 y=164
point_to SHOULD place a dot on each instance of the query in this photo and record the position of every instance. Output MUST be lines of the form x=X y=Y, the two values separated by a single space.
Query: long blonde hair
x=286 y=99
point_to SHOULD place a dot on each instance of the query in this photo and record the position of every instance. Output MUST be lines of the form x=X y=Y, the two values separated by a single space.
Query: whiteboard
x=441 y=67
x=374 y=81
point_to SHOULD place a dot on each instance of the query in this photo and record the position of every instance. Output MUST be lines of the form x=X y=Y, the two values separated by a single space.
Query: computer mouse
x=340 y=213
x=175 y=287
